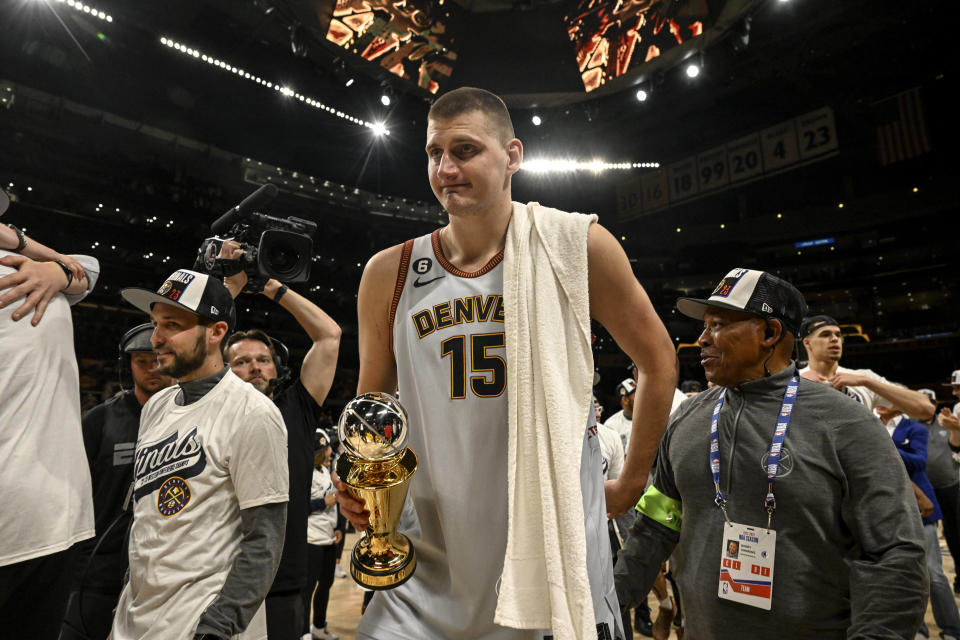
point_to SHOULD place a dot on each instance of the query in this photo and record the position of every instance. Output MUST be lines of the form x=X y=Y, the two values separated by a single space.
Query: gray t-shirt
x=942 y=469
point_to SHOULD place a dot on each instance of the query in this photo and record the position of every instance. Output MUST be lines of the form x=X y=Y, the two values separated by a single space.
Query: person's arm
x=950 y=422
x=914 y=452
x=923 y=502
x=34 y=250
x=260 y=479
x=653 y=535
x=879 y=509
x=621 y=305
x=252 y=573
x=320 y=363
x=378 y=369
x=913 y=403
x=36 y=283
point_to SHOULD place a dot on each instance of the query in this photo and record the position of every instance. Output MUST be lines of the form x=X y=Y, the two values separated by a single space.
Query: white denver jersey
x=448 y=340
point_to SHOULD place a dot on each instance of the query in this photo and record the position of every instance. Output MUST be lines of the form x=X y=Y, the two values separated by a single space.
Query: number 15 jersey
x=448 y=340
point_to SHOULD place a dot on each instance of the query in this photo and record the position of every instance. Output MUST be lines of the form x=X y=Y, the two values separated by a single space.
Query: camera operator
x=110 y=436
x=253 y=358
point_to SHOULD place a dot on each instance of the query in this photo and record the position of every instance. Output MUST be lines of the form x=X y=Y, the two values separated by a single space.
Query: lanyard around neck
x=776 y=445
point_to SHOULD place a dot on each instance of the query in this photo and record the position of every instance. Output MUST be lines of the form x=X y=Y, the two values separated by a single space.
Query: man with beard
x=210 y=479
x=253 y=357
x=109 y=437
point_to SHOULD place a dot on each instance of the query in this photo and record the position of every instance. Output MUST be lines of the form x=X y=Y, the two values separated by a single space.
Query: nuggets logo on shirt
x=173 y=496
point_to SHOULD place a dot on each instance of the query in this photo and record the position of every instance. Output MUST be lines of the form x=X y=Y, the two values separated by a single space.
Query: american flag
x=901 y=127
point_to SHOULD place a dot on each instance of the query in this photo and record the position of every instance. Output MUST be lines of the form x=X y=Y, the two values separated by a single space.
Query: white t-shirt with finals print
x=196 y=467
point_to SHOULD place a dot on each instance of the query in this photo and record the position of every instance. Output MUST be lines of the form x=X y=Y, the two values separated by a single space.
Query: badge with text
x=746 y=565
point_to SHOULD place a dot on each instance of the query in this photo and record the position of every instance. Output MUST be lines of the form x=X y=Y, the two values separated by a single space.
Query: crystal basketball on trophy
x=377 y=468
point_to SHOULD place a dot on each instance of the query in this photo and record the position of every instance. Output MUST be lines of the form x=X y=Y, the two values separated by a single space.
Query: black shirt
x=301 y=415
x=110 y=439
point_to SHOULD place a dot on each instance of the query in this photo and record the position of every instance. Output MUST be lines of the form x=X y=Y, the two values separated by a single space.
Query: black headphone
x=123 y=362
x=281 y=363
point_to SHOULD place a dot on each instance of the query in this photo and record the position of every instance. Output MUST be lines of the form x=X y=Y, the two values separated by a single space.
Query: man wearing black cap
x=210 y=479
x=809 y=485
x=824 y=343
x=109 y=437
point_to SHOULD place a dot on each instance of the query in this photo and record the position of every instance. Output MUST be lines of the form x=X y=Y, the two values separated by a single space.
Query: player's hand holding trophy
x=377 y=468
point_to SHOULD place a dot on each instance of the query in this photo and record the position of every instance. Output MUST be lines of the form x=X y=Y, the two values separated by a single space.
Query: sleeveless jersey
x=448 y=341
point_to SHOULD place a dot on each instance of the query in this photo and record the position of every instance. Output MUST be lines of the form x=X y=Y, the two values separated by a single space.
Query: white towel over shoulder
x=549 y=379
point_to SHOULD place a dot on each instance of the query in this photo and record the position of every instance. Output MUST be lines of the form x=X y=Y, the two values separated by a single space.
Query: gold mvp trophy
x=377 y=468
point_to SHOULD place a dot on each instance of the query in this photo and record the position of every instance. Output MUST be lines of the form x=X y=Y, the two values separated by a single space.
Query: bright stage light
x=536 y=121
x=642 y=95
x=563 y=165
x=693 y=70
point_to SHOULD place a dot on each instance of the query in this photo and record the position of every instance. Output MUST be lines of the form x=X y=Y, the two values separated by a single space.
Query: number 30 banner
x=808 y=138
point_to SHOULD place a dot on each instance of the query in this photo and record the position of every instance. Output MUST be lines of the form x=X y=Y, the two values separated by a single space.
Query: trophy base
x=376 y=575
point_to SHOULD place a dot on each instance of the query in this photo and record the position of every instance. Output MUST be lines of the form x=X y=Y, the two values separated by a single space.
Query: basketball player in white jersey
x=432 y=325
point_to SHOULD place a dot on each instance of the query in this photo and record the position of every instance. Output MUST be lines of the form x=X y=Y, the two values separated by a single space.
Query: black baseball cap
x=813 y=323
x=755 y=292
x=137 y=340
x=198 y=293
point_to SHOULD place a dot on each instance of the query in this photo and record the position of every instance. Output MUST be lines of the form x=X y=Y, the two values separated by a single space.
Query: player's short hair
x=252 y=334
x=467 y=99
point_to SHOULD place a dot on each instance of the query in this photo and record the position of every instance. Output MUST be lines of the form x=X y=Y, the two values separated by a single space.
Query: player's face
x=179 y=341
x=732 y=548
x=143 y=368
x=826 y=343
x=251 y=360
x=468 y=164
x=730 y=347
x=626 y=403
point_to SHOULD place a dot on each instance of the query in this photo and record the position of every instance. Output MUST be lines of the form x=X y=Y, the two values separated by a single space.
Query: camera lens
x=283 y=258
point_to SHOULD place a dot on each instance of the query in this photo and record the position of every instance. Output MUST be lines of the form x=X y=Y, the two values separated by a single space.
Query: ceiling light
x=380 y=129
x=348 y=82
x=245 y=75
x=693 y=70
x=642 y=95
x=536 y=121
x=385 y=100
x=567 y=165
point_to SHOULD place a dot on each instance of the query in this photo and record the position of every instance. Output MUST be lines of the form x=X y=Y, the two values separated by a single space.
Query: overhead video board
x=612 y=37
x=408 y=38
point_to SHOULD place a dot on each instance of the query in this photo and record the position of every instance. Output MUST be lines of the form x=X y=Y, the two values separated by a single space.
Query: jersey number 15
x=493 y=368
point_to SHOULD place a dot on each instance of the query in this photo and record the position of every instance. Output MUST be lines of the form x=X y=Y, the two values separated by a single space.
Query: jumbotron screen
x=409 y=38
x=612 y=37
